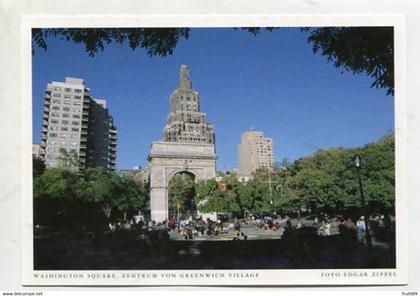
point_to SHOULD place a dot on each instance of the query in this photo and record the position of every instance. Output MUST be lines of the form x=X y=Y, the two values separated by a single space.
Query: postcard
x=214 y=150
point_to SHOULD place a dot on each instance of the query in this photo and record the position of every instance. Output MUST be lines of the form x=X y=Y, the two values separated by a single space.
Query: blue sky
x=270 y=82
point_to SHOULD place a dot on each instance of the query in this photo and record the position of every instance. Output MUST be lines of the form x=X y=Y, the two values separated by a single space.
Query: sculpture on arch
x=188 y=145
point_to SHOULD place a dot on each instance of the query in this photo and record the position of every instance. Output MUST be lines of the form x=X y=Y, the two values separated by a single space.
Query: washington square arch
x=188 y=146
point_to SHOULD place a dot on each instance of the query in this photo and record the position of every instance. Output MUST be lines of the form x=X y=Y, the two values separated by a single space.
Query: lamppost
x=358 y=164
x=270 y=188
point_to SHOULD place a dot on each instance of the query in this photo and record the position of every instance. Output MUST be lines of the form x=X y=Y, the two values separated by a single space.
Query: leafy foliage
x=367 y=50
x=325 y=181
x=85 y=199
x=156 y=41
x=181 y=193
x=69 y=160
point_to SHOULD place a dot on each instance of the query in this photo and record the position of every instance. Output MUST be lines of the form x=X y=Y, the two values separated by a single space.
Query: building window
x=76 y=116
x=75 y=123
x=67 y=96
x=78 y=91
x=53 y=127
x=66 y=102
x=76 y=110
x=55 y=114
x=56 y=108
x=54 y=121
x=74 y=143
x=63 y=135
x=66 y=109
x=64 y=128
x=66 y=115
x=74 y=129
x=65 y=122
x=52 y=142
x=76 y=103
x=73 y=136
x=67 y=89
x=53 y=135
x=77 y=97
x=56 y=101
x=56 y=95
x=57 y=88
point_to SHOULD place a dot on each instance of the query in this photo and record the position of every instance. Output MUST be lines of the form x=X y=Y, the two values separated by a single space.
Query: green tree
x=56 y=194
x=81 y=200
x=327 y=180
x=156 y=41
x=367 y=50
x=68 y=160
x=182 y=193
x=129 y=196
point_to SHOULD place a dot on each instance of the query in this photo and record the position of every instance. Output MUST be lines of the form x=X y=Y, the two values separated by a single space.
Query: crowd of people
x=377 y=224
x=196 y=227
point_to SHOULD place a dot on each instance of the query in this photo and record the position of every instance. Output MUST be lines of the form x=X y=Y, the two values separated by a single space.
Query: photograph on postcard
x=230 y=148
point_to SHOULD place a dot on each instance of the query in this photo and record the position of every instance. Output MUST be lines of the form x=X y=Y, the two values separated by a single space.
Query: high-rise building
x=255 y=152
x=102 y=136
x=75 y=122
x=185 y=122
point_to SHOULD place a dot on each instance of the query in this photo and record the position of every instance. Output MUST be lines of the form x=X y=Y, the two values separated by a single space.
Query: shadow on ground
x=117 y=251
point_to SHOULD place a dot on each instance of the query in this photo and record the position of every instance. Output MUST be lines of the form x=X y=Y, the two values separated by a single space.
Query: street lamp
x=358 y=164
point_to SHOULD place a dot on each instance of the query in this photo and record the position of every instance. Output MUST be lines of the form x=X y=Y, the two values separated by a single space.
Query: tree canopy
x=368 y=50
x=156 y=41
x=86 y=199
x=325 y=181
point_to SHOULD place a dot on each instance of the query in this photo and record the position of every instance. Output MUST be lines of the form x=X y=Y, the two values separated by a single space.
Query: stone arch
x=169 y=158
x=173 y=172
x=181 y=207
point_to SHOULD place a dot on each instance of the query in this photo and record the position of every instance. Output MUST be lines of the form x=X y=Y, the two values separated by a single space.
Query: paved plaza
x=250 y=232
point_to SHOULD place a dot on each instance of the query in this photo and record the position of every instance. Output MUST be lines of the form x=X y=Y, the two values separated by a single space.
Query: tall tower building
x=185 y=122
x=102 y=136
x=188 y=146
x=255 y=152
x=71 y=122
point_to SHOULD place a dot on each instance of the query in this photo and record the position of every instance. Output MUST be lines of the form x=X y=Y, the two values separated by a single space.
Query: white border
x=265 y=277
